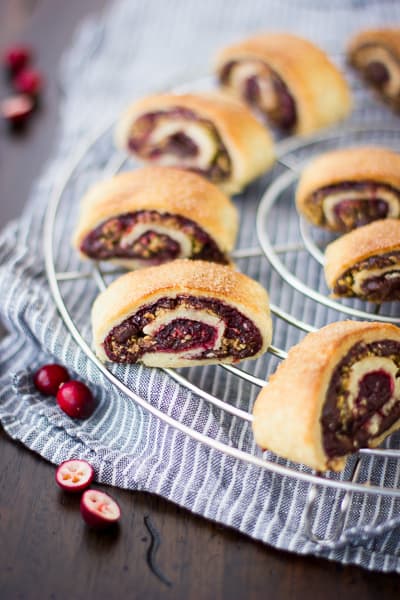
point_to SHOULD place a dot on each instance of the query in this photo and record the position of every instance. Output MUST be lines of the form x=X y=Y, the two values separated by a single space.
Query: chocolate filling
x=284 y=113
x=347 y=427
x=126 y=342
x=106 y=240
x=179 y=144
x=380 y=288
x=351 y=213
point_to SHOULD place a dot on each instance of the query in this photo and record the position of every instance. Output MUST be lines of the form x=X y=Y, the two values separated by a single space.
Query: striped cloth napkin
x=133 y=48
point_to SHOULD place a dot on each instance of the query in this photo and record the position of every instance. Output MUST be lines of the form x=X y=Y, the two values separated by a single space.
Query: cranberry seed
x=74 y=475
x=99 y=510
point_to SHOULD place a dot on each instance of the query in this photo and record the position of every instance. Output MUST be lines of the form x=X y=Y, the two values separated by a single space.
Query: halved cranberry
x=16 y=110
x=74 y=475
x=49 y=378
x=16 y=58
x=76 y=400
x=99 y=510
x=29 y=81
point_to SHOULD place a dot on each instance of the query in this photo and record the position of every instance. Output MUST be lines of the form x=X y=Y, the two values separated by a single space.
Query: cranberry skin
x=76 y=400
x=16 y=58
x=49 y=378
x=74 y=475
x=28 y=81
x=99 y=510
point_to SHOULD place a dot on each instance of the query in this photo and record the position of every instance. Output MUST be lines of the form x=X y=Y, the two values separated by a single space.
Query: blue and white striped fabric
x=135 y=47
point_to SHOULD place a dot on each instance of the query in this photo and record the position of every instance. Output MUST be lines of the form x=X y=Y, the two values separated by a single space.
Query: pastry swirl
x=366 y=262
x=345 y=189
x=338 y=391
x=287 y=79
x=375 y=53
x=154 y=215
x=181 y=314
x=210 y=134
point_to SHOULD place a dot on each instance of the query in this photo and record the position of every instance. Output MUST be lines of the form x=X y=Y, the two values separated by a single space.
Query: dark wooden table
x=45 y=549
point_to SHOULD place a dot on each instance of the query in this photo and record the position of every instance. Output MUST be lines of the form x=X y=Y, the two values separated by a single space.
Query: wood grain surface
x=46 y=552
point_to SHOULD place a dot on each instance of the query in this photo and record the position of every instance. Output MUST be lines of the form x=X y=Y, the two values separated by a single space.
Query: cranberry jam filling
x=384 y=288
x=284 y=113
x=350 y=213
x=377 y=288
x=178 y=144
x=186 y=334
x=376 y=73
x=106 y=241
x=126 y=342
x=352 y=423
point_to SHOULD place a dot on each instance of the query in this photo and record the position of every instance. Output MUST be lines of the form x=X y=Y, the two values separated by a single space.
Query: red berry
x=99 y=510
x=75 y=399
x=28 y=81
x=49 y=378
x=74 y=475
x=16 y=58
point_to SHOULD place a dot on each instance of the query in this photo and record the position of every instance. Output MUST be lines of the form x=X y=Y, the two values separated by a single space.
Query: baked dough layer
x=376 y=54
x=358 y=164
x=287 y=412
x=162 y=189
x=375 y=239
x=138 y=289
x=320 y=91
x=249 y=145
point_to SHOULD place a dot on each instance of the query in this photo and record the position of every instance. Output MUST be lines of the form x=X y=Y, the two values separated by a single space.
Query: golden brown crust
x=371 y=240
x=249 y=144
x=164 y=189
x=365 y=163
x=320 y=91
x=139 y=288
x=375 y=53
x=288 y=409
x=387 y=37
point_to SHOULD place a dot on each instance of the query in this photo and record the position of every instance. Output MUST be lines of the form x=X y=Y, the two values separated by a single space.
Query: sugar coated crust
x=319 y=89
x=287 y=411
x=163 y=189
x=134 y=290
x=364 y=163
x=386 y=37
x=248 y=143
x=374 y=239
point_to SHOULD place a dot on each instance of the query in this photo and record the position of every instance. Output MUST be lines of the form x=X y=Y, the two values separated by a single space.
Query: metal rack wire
x=99 y=275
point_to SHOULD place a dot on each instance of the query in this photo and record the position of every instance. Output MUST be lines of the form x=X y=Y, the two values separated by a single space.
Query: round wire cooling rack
x=304 y=284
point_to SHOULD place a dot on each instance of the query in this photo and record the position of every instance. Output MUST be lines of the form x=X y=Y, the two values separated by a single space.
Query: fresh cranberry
x=75 y=399
x=49 y=378
x=16 y=58
x=99 y=510
x=29 y=81
x=74 y=475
